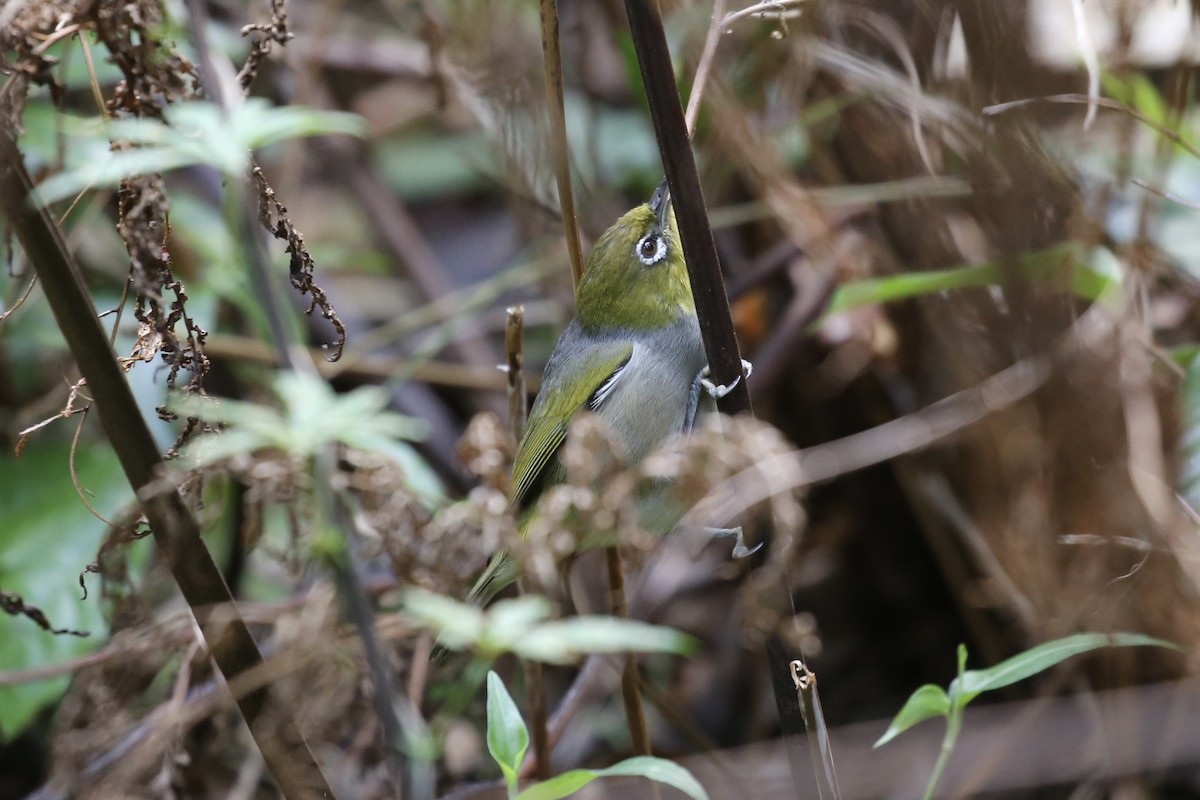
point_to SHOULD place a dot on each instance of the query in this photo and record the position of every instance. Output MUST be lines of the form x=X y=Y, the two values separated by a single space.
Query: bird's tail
x=499 y=573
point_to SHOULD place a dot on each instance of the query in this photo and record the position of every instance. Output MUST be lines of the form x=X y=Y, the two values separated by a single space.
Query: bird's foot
x=717 y=391
x=740 y=550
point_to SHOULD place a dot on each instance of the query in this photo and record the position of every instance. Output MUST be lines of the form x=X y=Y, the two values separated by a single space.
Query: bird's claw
x=740 y=550
x=717 y=391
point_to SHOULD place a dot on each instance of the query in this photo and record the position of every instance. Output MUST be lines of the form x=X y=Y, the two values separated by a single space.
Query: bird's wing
x=586 y=380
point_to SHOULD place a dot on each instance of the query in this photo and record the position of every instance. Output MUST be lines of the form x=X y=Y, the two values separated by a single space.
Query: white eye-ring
x=651 y=249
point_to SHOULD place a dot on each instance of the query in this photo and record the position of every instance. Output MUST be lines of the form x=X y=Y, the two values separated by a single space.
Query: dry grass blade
x=818 y=732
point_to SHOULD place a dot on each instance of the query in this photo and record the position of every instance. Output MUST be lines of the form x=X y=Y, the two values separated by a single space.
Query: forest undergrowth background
x=961 y=241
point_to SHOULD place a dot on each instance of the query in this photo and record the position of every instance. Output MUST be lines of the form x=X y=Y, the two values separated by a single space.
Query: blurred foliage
x=49 y=535
x=193 y=133
x=508 y=741
x=312 y=418
x=448 y=108
x=523 y=626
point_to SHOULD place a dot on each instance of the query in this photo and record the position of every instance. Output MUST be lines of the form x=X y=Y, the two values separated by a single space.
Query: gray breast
x=649 y=401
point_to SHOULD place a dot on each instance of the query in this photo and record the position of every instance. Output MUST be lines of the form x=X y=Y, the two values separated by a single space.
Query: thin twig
x=1088 y=50
x=535 y=678
x=514 y=351
x=634 y=712
x=552 y=62
x=1101 y=102
x=707 y=57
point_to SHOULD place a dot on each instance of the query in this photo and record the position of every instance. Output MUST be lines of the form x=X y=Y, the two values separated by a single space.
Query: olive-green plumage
x=631 y=355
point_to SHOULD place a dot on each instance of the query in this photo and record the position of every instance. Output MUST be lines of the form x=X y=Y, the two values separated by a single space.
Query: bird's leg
x=717 y=391
x=693 y=404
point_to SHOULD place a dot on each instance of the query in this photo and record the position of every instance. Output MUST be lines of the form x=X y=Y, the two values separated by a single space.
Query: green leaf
x=1136 y=91
x=566 y=641
x=313 y=417
x=47 y=537
x=560 y=785
x=1092 y=279
x=659 y=770
x=459 y=625
x=194 y=133
x=925 y=703
x=1036 y=659
x=507 y=736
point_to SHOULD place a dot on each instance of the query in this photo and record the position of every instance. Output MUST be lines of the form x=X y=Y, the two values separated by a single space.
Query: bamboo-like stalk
x=704 y=270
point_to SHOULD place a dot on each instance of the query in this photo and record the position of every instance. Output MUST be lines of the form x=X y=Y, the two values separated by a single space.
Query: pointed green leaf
x=1042 y=657
x=660 y=770
x=562 y=785
x=925 y=703
x=507 y=736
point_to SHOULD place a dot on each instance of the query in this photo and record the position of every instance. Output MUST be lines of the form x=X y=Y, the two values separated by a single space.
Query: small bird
x=633 y=356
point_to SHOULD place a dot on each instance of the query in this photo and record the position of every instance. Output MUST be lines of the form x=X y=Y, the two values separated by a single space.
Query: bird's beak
x=660 y=204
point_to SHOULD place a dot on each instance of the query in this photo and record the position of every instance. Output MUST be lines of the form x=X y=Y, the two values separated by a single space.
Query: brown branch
x=535 y=677
x=284 y=749
x=552 y=62
x=629 y=674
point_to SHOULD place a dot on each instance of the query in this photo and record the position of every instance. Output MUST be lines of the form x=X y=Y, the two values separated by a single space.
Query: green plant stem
x=953 y=728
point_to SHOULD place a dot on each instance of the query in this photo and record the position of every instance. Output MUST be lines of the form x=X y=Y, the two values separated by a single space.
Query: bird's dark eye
x=651 y=249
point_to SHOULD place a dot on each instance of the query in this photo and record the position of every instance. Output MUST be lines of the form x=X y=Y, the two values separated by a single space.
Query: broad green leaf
x=655 y=769
x=47 y=537
x=507 y=736
x=925 y=703
x=1042 y=657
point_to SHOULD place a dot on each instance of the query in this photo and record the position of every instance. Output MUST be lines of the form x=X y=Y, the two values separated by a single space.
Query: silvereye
x=632 y=355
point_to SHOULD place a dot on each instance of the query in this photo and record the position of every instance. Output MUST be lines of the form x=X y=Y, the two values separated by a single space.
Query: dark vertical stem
x=704 y=270
x=515 y=357
x=552 y=62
